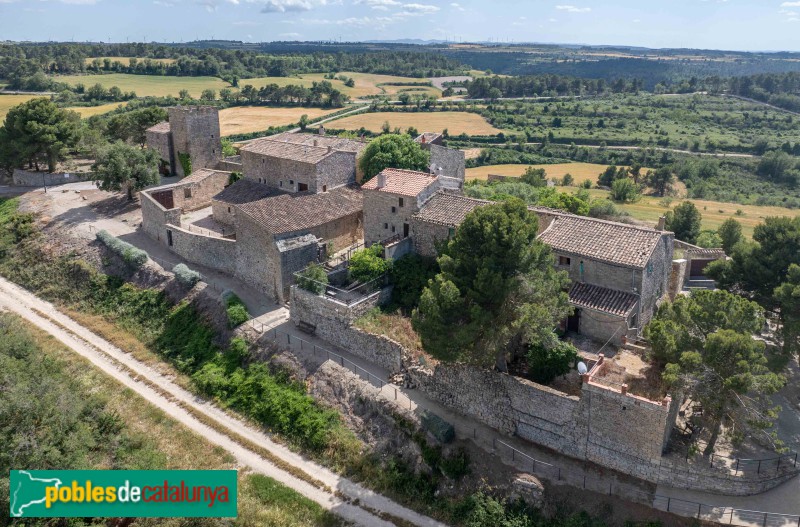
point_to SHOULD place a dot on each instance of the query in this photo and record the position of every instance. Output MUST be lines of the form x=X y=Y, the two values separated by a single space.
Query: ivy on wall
x=186 y=163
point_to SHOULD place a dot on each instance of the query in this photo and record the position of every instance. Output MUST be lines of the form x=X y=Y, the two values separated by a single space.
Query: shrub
x=234 y=177
x=625 y=190
x=185 y=276
x=237 y=311
x=545 y=364
x=410 y=275
x=568 y=180
x=587 y=184
x=368 y=264
x=131 y=255
x=313 y=278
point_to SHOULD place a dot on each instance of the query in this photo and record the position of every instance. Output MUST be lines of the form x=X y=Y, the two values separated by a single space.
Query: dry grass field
x=126 y=60
x=246 y=119
x=9 y=101
x=148 y=85
x=89 y=111
x=365 y=84
x=455 y=122
x=650 y=208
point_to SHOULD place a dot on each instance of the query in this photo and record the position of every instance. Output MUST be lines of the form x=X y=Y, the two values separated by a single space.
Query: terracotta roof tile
x=403 y=182
x=244 y=191
x=599 y=298
x=336 y=143
x=160 y=128
x=300 y=211
x=607 y=241
x=448 y=209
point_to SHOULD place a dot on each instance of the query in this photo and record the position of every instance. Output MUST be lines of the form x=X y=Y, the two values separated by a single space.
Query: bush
x=625 y=190
x=587 y=184
x=410 y=275
x=545 y=364
x=131 y=255
x=185 y=276
x=313 y=278
x=368 y=264
x=237 y=311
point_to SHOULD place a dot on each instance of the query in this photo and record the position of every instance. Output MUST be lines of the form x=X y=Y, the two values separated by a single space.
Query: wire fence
x=558 y=474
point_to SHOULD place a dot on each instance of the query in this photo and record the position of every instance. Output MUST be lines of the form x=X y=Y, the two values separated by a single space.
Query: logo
x=123 y=493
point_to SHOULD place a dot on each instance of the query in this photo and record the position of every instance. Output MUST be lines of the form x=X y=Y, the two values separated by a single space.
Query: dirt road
x=183 y=406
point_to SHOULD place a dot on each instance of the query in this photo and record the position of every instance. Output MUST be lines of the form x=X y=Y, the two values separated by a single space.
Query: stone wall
x=398 y=249
x=284 y=174
x=25 y=178
x=212 y=252
x=223 y=212
x=380 y=222
x=195 y=131
x=294 y=255
x=426 y=235
x=702 y=477
x=256 y=257
x=197 y=194
x=603 y=326
x=161 y=142
x=342 y=232
x=451 y=160
x=655 y=278
x=336 y=170
x=677 y=277
x=155 y=218
x=230 y=166
x=333 y=323
x=600 y=273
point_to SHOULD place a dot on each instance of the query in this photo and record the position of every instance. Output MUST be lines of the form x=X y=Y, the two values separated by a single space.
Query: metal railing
x=349 y=296
x=544 y=469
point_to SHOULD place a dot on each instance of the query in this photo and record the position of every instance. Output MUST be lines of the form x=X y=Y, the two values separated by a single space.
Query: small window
x=324 y=188
x=394 y=210
x=451 y=232
x=401 y=202
x=291 y=182
x=385 y=225
x=187 y=193
x=280 y=183
x=392 y=228
x=213 y=151
x=563 y=260
x=229 y=209
x=302 y=187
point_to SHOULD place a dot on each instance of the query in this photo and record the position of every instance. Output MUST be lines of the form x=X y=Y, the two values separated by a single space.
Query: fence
x=544 y=469
x=347 y=297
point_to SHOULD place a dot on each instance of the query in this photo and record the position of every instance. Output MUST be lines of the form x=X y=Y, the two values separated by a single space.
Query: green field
x=366 y=84
x=148 y=85
x=126 y=60
x=650 y=208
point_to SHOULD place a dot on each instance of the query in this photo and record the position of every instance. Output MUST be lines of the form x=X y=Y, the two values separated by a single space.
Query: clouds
x=788 y=13
x=290 y=6
x=573 y=9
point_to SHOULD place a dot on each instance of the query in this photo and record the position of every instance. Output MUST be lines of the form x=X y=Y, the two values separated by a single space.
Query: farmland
x=9 y=101
x=454 y=122
x=126 y=60
x=148 y=85
x=89 y=111
x=366 y=84
x=247 y=119
x=650 y=208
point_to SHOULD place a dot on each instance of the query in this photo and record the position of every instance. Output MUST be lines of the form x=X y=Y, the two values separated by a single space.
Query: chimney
x=662 y=222
x=321 y=130
x=423 y=139
x=381 y=180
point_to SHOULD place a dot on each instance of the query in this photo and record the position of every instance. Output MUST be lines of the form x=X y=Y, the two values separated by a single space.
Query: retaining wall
x=25 y=178
x=215 y=253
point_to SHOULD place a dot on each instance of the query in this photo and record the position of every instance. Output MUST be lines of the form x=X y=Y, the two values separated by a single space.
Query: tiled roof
x=716 y=253
x=337 y=143
x=300 y=211
x=244 y=191
x=448 y=209
x=160 y=128
x=403 y=182
x=200 y=174
x=427 y=137
x=607 y=241
x=295 y=152
x=601 y=299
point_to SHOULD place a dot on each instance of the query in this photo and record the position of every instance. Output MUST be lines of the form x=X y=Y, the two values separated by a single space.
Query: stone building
x=191 y=137
x=438 y=220
x=391 y=198
x=301 y=162
x=448 y=163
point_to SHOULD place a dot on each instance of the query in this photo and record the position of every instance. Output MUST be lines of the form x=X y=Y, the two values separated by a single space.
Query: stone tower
x=195 y=136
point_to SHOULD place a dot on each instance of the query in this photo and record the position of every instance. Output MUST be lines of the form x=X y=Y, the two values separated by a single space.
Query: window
x=302 y=187
x=451 y=232
x=401 y=202
x=229 y=209
x=394 y=210
x=324 y=188
x=563 y=260
x=385 y=225
x=187 y=193
x=291 y=182
x=392 y=228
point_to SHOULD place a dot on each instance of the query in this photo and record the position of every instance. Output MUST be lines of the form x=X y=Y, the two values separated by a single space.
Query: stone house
x=448 y=163
x=390 y=200
x=438 y=220
x=301 y=162
x=192 y=133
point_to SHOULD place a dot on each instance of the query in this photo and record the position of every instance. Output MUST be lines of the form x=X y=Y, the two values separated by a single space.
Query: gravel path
x=164 y=394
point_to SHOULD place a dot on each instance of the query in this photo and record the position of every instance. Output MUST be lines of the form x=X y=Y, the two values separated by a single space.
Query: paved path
x=163 y=393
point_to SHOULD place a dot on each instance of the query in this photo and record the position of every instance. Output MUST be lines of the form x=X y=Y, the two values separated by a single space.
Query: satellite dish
x=582 y=369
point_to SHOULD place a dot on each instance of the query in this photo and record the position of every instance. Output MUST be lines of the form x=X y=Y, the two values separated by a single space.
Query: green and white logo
x=122 y=493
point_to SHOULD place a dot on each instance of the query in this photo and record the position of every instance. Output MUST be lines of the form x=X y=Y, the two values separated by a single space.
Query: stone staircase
x=701 y=282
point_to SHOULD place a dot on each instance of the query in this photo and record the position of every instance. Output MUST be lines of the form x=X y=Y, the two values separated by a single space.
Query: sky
x=751 y=25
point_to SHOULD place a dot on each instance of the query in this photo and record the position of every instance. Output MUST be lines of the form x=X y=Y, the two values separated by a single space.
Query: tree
x=787 y=295
x=131 y=126
x=184 y=94
x=709 y=240
x=535 y=177
x=706 y=342
x=368 y=264
x=625 y=190
x=684 y=220
x=208 y=95
x=567 y=180
x=38 y=130
x=304 y=121
x=410 y=275
x=730 y=233
x=392 y=151
x=122 y=166
x=497 y=292
x=313 y=278
x=661 y=180
x=608 y=176
x=545 y=364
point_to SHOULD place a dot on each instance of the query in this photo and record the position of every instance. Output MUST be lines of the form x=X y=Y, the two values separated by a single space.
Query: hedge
x=185 y=276
x=132 y=256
